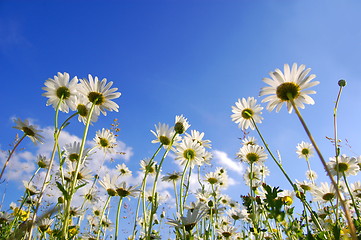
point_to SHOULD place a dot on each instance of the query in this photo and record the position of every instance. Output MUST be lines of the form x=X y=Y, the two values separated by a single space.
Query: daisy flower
x=45 y=224
x=43 y=162
x=212 y=178
x=181 y=124
x=84 y=173
x=252 y=154
x=109 y=184
x=72 y=151
x=249 y=141
x=190 y=151
x=255 y=176
x=198 y=137
x=30 y=188
x=60 y=88
x=163 y=134
x=99 y=93
x=172 y=177
x=344 y=165
x=292 y=82
x=311 y=175
x=226 y=232
x=189 y=222
x=356 y=189
x=305 y=150
x=105 y=140
x=124 y=170
x=82 y=106
x=246 y=110
x=29 y=130
x=305 y=185
x=148 y=166
x=124 y=191
x=324 y=193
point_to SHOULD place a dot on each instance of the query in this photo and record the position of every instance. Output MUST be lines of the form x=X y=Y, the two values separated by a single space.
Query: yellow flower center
x=28 y=131
x=286 y=88
x=189 y=154
x=63 y=92
x=96 y=98
x=247 y=113
x=252 y=157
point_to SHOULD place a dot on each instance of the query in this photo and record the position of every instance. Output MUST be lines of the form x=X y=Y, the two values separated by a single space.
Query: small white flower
x=163 y=134
x=60 y=88
x=123 y=170
x=99 y=93
x=305 y=150
x=249 y=141
x=181 y=124
x=252 y=154
x=311 y=175
x=246 y=110
x=343 y=165
x=198 y=137
x=190 y=151
x=323 y=193
x=105 y=140
x=292 y=82
x=29 y=130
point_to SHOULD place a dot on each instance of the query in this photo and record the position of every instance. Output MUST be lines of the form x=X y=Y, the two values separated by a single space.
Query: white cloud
x=223 y=159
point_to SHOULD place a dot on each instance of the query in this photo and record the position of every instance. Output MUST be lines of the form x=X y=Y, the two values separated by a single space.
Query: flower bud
x=342 y=83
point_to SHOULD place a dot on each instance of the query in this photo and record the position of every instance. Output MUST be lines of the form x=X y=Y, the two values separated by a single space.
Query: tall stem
x=343 y=204
x=117 y=218
x=11 y=153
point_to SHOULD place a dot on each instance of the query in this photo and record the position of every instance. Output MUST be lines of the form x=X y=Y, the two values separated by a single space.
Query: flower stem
x=11 y=153
x=344 y=207
x=117 y=218
x=101 y=217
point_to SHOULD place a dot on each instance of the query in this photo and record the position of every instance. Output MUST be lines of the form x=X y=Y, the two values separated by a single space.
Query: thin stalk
x=46 y=179
x=351 y=195
x=74 y=182
x=344 y=207
x=101 y=217
x=181 y=189
x=117 y=218
x=337 y=149
x=11 y=153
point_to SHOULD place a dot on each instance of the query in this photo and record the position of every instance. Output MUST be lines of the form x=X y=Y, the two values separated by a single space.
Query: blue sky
x=185 y=57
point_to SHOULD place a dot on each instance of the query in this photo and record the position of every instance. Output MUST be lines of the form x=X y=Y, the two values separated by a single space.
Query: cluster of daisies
x=88 y=203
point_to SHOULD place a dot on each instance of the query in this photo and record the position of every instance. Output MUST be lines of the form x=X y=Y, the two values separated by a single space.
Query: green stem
x=181 y=197
x=101 y=216
x=74 y=182
x=351 y=195
x=117 y=219
x=343 y=204
x=11 y=153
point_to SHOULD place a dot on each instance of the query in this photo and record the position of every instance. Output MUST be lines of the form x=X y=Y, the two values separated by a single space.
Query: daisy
x=292 y=82
x=252 y=154
x=84 y=173
x=212 y=178
x=30 y=188
x=189 y=222
x=305 y=150
x=60 y=88
x=237 y=214
x=148 y=166
x=99 y=93
x=82 y=106
x=246 y=110
x=254 y=176
x=123 y=170
x=44 y=224
x=249 y=141
x=226 y=232
x=124 y=191
x=181 y=124
x=311 y=175
x=190 y=151
x=43 y=162
x=72 y=151
x=324 y=193
x=344 y=165
x=172 y=177
x=105 y=140
x=163 y=134
x=305 y=185
x=198 y=137
x=29 y=130
x=109 y=184
x=224 y=199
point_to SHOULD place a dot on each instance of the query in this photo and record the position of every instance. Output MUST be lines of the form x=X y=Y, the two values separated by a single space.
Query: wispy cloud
x=222 y=159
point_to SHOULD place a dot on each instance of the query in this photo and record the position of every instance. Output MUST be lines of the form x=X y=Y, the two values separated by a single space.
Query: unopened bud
x=342 y=83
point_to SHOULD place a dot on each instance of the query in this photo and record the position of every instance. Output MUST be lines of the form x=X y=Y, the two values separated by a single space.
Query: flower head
x=305 y=150
x=172 y=177
x=99 y=93
x=292 y=83
x=181 y=124
x=29 y=130
x=252 y=154
x=246 y=110
x=105 y=140
x=109 y=184
x=343 y=165
x=163 y=134
x=60 y=89
x=324 y=193
x=198 y=137
x=123 y=170
x=72 y=152
x=82 y=106
x=190 y=151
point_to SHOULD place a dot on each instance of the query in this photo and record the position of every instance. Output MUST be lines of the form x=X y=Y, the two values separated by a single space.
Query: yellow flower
x=23 y=215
